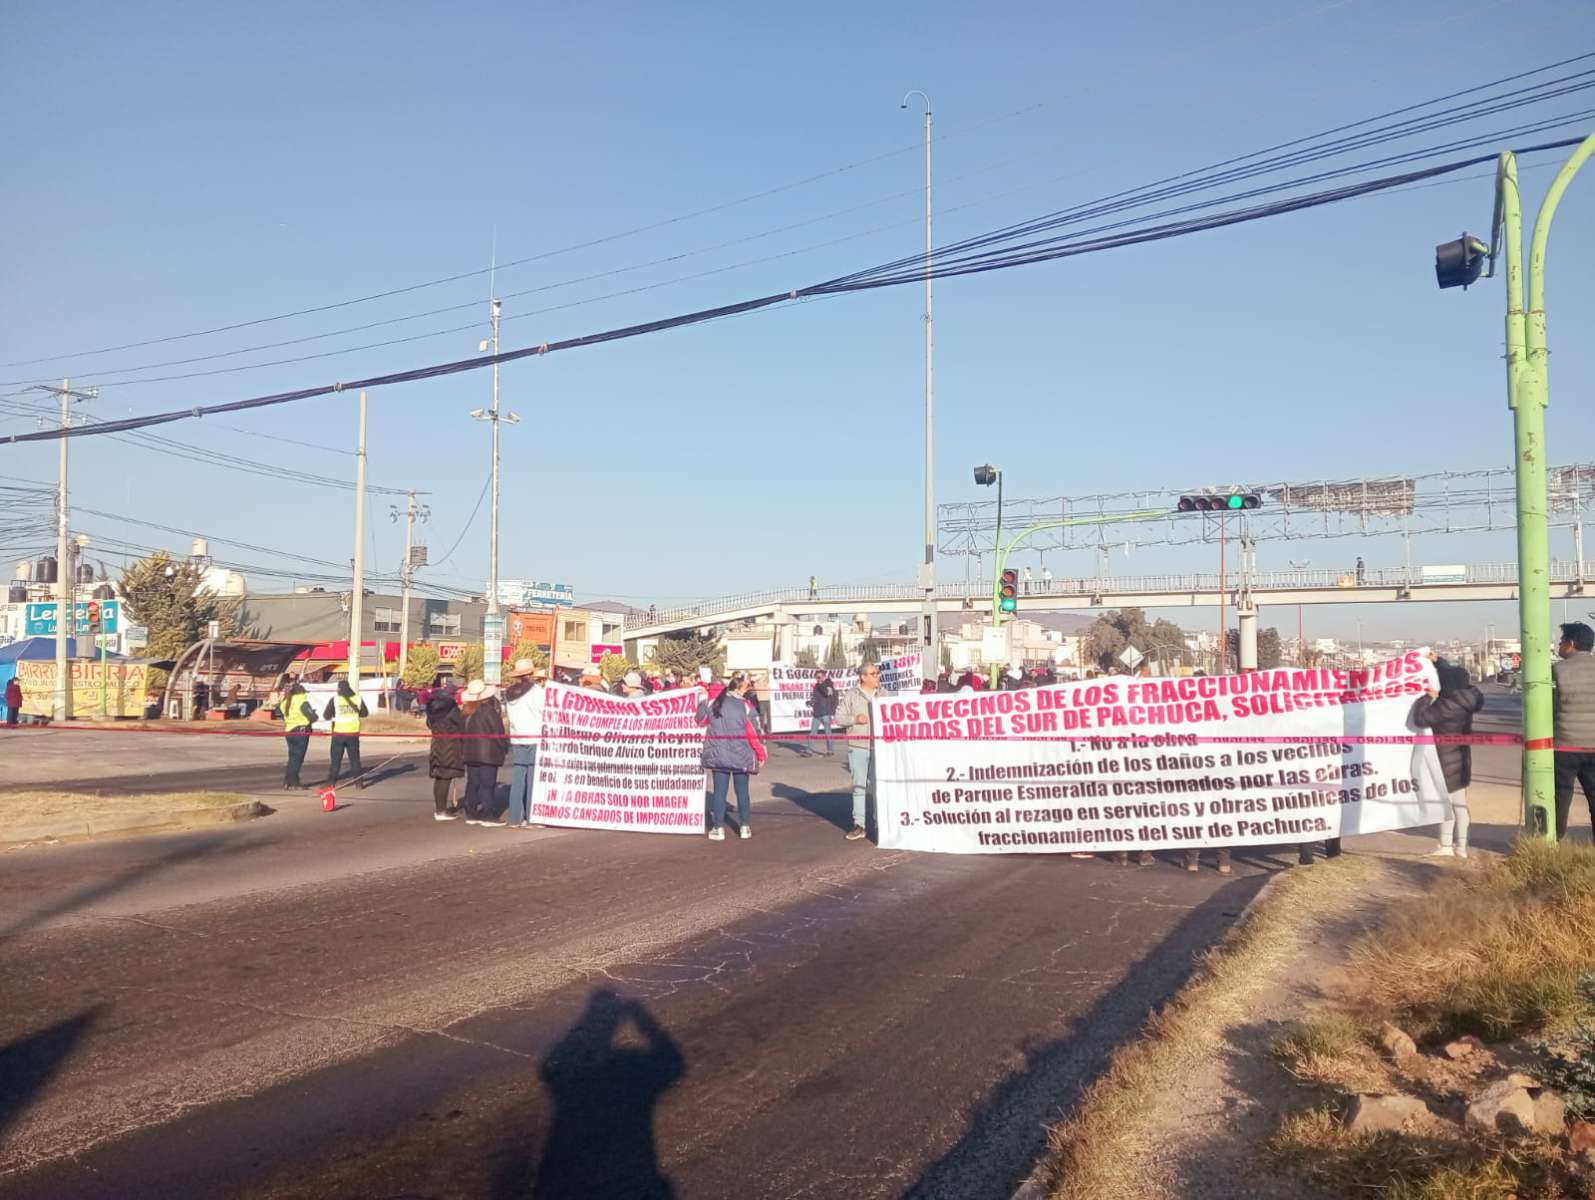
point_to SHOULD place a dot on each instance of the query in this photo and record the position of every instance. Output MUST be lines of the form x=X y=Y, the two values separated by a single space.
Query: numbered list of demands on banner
x=1126 y=764
x=609 y=762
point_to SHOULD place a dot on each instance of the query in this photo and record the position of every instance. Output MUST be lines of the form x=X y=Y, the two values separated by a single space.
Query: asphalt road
x=372 y=1004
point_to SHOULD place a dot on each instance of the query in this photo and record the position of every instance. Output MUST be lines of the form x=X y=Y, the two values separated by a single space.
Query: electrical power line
x=873 y=278
x=1268 y=160
x=714 y=209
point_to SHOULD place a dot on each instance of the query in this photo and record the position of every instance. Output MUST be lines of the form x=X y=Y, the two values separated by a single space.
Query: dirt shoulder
x=1184 y=1111
x=1386 y=1024
x=30 y=816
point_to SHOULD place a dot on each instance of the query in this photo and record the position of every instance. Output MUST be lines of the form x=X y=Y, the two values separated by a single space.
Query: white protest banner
x=613 y=762
x=1128 y=764
x=904 y=673
x=792 y=687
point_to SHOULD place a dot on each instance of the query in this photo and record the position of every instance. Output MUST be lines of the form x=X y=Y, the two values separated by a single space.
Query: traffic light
x=1008 y=591
x=94 y=616
x=1459 y=263
x=1219 y=502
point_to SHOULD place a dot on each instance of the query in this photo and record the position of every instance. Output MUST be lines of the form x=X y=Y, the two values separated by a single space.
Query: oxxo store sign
x=40 y=620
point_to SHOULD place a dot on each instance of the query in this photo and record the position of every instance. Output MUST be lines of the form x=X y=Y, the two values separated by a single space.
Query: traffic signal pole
x=1024 y=534
x=1528 y=393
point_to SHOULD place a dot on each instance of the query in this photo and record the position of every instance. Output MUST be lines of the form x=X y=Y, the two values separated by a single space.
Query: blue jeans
x=817 y=724
x=523 y=764
x=717 y=798
x=859 y=763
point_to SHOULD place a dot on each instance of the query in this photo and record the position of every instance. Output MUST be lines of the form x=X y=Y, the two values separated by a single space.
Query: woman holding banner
x=731 y=752
x=1449 y=710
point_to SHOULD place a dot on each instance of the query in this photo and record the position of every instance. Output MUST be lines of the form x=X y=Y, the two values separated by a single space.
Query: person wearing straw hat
x=523 y=708
x=484 y=752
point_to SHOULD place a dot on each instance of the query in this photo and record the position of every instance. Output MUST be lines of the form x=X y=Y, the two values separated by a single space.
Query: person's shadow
x=604 y=1077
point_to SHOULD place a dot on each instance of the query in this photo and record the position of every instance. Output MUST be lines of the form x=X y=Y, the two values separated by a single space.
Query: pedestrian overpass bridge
x=1481 y=581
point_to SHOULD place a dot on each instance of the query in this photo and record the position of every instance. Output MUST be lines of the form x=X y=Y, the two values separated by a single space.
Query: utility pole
x=928 y=570
x=493 y=625
x=357 y=596
x=65 y=575
x=407 y=570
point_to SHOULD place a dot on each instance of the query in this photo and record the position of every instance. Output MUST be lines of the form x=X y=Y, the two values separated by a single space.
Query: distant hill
x=1058 y=622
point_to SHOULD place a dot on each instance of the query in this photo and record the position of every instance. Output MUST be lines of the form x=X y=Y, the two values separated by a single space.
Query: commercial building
x=322 y=616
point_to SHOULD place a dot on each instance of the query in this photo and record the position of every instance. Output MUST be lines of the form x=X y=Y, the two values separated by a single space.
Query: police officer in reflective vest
x=344 y=710
x=297 y=718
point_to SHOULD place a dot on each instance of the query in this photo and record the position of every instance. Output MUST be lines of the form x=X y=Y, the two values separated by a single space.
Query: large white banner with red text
x=791 y=688
x=612 y=762
x=1131 y=763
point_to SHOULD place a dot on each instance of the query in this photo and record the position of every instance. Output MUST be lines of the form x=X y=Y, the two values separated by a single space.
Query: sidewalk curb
x=105 y=824
x=1031 y=1188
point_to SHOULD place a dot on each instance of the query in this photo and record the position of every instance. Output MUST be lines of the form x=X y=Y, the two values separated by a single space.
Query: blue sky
x=179 y=167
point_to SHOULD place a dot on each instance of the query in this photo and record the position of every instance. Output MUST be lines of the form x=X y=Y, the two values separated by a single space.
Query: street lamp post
x=493 y=624
x=928 y=570
x=1527 y=391
x=985 y=476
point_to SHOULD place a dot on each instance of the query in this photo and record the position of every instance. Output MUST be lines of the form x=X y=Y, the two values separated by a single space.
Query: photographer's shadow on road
x=605 y=1077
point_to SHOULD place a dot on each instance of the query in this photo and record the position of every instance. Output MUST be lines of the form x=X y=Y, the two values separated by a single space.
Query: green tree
x=836 y=653
x=806 y=658
x=1110 y=633
x=685 y=652
x=1268 y=651
x=164 y=595
x=614 y=666
x=468 y=665
x=421 y=665
x=947 y=659
x=530 y=650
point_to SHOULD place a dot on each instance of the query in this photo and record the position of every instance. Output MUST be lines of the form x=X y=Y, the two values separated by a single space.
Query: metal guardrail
x=1174 y=583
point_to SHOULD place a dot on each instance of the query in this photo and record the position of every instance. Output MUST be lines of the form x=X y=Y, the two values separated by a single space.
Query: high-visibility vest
x=345 y=714
x=293 y=712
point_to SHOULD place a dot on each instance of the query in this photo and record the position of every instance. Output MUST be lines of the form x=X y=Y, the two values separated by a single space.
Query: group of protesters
x=477 y=728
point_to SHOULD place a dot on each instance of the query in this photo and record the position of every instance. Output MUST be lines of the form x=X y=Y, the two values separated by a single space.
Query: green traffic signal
x=1219 y=501
x=1009 y=604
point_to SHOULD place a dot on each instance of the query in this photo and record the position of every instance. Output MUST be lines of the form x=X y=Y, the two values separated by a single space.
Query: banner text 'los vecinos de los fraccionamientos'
x=1140 y=763
x=612 y=762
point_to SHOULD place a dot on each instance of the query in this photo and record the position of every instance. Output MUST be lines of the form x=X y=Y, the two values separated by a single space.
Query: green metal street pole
x=1024 y=534
x=1528 y=393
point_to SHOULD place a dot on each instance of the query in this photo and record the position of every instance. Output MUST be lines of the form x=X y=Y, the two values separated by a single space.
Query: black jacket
x=485 y=743
x=823 y=701
x=1451 y=712
x=446 y=758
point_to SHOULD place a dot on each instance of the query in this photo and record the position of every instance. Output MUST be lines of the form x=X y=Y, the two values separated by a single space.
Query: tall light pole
x=985 y=476
x=493 y=626
x=1458 y=264
x=65 y=575
x=357 y=595
x=928 y=570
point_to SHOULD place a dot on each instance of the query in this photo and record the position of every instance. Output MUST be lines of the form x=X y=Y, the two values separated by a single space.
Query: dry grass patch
x=23 y=808
x=1103 y=1151
x=1496 y=952
x=1404 y=1166
x=1331 y=1050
